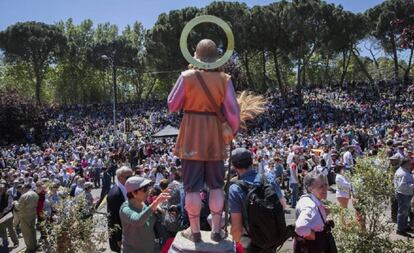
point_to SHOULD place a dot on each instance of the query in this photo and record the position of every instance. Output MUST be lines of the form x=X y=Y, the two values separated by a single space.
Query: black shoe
x=403 y=233
x=194 y=237
x=409 y=230
x=217 y=237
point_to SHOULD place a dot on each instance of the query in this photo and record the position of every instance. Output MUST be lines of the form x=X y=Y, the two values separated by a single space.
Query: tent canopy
x=167 y=132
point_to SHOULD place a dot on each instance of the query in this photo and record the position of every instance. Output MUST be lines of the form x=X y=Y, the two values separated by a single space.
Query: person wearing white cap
x=137 y=218
x=395 y=161
x=404 y=191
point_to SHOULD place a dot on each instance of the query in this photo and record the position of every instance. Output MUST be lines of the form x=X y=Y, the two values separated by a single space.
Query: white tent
x=168 y=131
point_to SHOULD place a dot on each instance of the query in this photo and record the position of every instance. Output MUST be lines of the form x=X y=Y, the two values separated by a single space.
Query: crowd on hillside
x=82 y=150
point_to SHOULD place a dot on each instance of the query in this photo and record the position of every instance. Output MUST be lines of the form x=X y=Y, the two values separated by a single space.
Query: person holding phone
x=137 y=218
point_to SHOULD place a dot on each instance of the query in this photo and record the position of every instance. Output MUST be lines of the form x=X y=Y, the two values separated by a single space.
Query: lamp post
x=111 y=62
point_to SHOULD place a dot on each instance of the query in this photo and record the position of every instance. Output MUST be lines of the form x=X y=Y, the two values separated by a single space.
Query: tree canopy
x=35 y=43
x=20 y=118
x=286 y=45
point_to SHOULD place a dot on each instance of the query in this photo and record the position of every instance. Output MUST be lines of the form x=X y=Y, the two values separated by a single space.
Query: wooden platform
x=183 y=245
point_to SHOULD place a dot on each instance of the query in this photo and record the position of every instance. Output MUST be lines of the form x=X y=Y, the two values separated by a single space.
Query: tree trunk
x=304 y=68
x=327 y=77
x=36 y=67
x=303 y=81
x=264 y=69
x=150 y=90
x=346 y=59
x=407 y=71
x=246 y=66
x=38 y=84
x=38 y=80
x=299 y=83
x=362 y=66
x=376 y=64
x=298 y=76
x=395 y=58
x=138 y=87
x=279 y=77
x=83 y=91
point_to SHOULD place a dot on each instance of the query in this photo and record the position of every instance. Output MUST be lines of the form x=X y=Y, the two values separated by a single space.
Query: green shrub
x=72 y=231
x=373 y=188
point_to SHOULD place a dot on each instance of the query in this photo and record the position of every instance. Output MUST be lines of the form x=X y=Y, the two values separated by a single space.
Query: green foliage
x=74 y=79
x=373 y=188
x=388 y=21
x=105 y=33
x=73 y=232
x=34 y=43
x=17 y=76
x=19 y=117
x=162 y=43
x=383 y=17
x=238 y=16
x=281 y=46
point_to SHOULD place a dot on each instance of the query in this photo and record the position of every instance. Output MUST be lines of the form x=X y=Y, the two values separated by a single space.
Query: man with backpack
x=256 y=207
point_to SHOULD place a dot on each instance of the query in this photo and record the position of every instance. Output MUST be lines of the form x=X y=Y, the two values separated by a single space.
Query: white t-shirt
x=100 y=163
x=158 y=177
x=309 y=210
x=328 y=159
x=348 y=160
x=343 y=187
x=22 y=164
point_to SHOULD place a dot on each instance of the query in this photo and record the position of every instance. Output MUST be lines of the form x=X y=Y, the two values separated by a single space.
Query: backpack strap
x=242 y=184
x=248 y=189
x=320 y=213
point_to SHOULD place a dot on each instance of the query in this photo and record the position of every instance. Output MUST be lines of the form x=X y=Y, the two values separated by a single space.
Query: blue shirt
x=237 y=197
x=279 y=170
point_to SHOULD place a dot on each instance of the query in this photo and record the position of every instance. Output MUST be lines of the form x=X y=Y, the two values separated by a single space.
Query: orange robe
x=200 y=137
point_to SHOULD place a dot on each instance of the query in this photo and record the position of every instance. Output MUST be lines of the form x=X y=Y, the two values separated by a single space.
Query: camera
x=329 y=225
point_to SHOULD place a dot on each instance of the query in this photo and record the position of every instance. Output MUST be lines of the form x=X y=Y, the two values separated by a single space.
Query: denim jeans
x=394 y=208
x=403 y=211
x=294 y=196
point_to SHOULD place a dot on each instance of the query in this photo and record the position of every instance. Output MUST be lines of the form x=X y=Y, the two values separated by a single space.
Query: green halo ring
x=203 y=19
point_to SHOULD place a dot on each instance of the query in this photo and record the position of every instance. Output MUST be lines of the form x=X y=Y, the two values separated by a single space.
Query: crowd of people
x=81 y=150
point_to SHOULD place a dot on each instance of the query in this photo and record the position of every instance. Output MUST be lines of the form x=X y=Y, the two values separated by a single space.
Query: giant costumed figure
x=211 y=119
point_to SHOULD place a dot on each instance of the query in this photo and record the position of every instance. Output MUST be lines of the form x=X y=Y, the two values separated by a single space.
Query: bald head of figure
x=206 y=51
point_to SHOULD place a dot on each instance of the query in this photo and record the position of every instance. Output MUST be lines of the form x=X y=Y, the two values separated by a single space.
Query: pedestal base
x=183 y=245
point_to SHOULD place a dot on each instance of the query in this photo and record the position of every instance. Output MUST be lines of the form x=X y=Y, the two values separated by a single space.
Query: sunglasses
x=144 y=189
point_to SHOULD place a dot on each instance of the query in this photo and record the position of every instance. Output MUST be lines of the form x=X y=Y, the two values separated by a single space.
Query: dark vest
x=4 y=201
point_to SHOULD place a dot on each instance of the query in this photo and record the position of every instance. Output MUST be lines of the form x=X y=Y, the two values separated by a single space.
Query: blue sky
x=119 y=12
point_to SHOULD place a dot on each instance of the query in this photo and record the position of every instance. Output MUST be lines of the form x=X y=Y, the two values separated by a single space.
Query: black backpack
x=263 y=216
